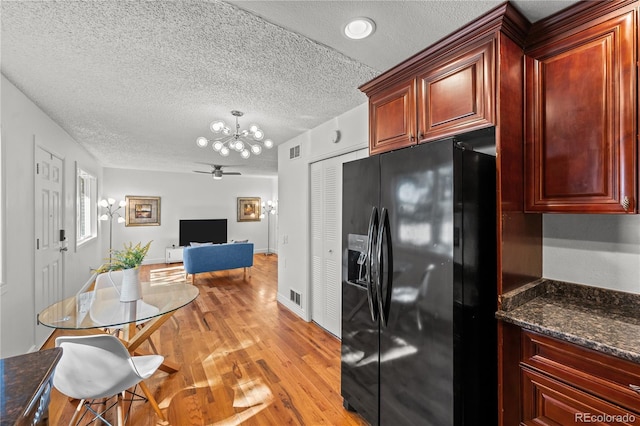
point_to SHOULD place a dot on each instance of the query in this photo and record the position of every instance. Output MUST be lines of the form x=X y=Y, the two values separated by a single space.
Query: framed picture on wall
x=142 y=211
x=249 y=209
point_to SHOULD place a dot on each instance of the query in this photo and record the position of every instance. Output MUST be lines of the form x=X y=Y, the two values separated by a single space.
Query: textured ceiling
x=135 y=82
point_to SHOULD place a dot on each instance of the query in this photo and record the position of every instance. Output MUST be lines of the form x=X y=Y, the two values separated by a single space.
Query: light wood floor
x=244 y=359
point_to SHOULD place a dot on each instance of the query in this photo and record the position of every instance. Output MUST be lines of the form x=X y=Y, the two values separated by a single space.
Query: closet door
x=326 y=242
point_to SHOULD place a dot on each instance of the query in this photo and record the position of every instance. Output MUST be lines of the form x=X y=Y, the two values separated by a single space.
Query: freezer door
x=416 y=339
x=360 y=346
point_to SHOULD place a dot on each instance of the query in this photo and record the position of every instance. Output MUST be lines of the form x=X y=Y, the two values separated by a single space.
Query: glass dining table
x=102 y=309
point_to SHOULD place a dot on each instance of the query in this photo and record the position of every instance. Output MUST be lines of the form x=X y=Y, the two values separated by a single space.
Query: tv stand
x=173 y=254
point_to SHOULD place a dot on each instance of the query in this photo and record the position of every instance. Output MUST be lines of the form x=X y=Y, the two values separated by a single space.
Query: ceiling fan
x=216 y=171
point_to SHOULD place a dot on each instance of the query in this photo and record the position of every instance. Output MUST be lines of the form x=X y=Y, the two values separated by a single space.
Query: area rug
x=173 y=274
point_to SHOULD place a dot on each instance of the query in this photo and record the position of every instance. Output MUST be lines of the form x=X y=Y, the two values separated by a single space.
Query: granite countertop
x=23 y=380
x=604 y=320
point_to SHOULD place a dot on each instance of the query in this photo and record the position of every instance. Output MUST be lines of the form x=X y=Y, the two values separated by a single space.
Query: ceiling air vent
x=294 y=152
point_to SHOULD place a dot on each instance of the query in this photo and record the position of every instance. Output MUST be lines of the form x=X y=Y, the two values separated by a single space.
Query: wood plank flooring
x=245 y=360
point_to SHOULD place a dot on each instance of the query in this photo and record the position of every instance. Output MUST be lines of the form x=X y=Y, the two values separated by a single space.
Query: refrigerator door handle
x=385 y=267
x=370 y=268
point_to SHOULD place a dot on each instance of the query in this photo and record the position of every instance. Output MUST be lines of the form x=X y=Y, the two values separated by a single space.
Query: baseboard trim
x=293 y=307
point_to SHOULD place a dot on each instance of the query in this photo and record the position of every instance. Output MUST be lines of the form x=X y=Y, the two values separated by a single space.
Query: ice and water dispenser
x=356 y=260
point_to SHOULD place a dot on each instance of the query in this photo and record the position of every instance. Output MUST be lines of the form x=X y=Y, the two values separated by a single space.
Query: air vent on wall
x=294 y=152
x=294 y=296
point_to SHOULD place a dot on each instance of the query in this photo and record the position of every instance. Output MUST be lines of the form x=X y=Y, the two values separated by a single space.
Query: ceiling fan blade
x=200 y=171
x=231 y=173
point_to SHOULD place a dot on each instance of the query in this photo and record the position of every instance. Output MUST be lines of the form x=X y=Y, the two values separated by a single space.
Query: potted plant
x=128 y=260
x=130 y=257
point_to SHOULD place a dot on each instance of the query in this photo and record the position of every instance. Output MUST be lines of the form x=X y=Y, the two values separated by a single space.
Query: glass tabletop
x=103 y=309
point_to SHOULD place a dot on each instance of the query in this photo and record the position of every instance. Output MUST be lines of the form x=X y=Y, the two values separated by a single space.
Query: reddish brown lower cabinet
x=566 y=384
x=546 y=401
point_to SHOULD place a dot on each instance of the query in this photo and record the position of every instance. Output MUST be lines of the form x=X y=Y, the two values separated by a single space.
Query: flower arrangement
x=128 y=258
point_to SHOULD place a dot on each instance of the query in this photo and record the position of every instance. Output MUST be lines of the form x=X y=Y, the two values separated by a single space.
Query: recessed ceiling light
x=359 y=28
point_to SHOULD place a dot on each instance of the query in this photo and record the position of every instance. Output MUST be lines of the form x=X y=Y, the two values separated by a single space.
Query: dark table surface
x=23 y=379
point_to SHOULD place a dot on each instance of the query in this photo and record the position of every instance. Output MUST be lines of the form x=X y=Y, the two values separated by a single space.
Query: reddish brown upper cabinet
x=580 y=119
x=455 y=94
x=447 y=96
x=392 y=122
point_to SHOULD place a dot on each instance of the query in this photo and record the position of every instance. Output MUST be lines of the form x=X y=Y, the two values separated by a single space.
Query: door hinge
x=37 y=168
x=37 y=243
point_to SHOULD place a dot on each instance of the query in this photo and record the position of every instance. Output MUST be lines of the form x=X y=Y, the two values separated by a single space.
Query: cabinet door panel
x=604 y=376
x=392 y=118
x=580 y=147
x=456 y=94
x=550 y=402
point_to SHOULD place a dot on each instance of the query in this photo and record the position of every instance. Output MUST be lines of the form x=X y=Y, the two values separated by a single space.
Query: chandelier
x=246 y=142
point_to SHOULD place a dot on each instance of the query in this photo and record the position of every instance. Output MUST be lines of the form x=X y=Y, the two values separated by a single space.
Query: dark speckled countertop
x=605 y=320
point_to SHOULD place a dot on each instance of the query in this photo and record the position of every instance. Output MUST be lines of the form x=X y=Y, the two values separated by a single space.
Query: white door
x=48 y=223
x=326 y=242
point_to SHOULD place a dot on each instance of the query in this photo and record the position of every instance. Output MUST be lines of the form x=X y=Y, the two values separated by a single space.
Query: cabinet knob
x=636 y=388
x=626 y=203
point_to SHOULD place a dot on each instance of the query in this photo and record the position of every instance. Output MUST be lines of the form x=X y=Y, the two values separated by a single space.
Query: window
x=86 y=209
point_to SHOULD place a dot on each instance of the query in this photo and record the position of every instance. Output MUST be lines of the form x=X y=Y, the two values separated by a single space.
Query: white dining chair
x=106 y=307
x=99 y=366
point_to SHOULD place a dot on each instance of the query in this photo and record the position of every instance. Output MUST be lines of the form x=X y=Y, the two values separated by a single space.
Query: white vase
x=130 y=290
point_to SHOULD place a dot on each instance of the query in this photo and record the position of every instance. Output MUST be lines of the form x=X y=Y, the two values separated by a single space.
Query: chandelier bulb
x=217 y=126
x=258 y=134
x=224 y=151
x=217 y=145
x=268 y=144
x=202 y=142
x=256 y=149
x=122 y=203
x=239 y=146
x=245 y=154
x=254 y=128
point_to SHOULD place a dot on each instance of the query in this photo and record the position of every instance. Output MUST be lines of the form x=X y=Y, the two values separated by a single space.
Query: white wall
x=597 y=250
x=22 y=123
x=293 y=190
x=188 y=196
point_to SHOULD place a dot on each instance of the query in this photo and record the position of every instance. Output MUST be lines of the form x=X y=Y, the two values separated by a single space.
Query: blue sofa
x=217 y=257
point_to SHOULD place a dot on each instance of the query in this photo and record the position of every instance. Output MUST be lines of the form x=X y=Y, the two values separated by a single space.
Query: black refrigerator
x=419 y=284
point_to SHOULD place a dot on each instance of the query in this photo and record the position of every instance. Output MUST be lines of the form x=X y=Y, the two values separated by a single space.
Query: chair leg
x=76 y=414
x=120 y=409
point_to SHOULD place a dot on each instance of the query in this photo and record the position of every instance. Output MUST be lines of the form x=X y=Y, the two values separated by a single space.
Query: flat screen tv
x=203 y=231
